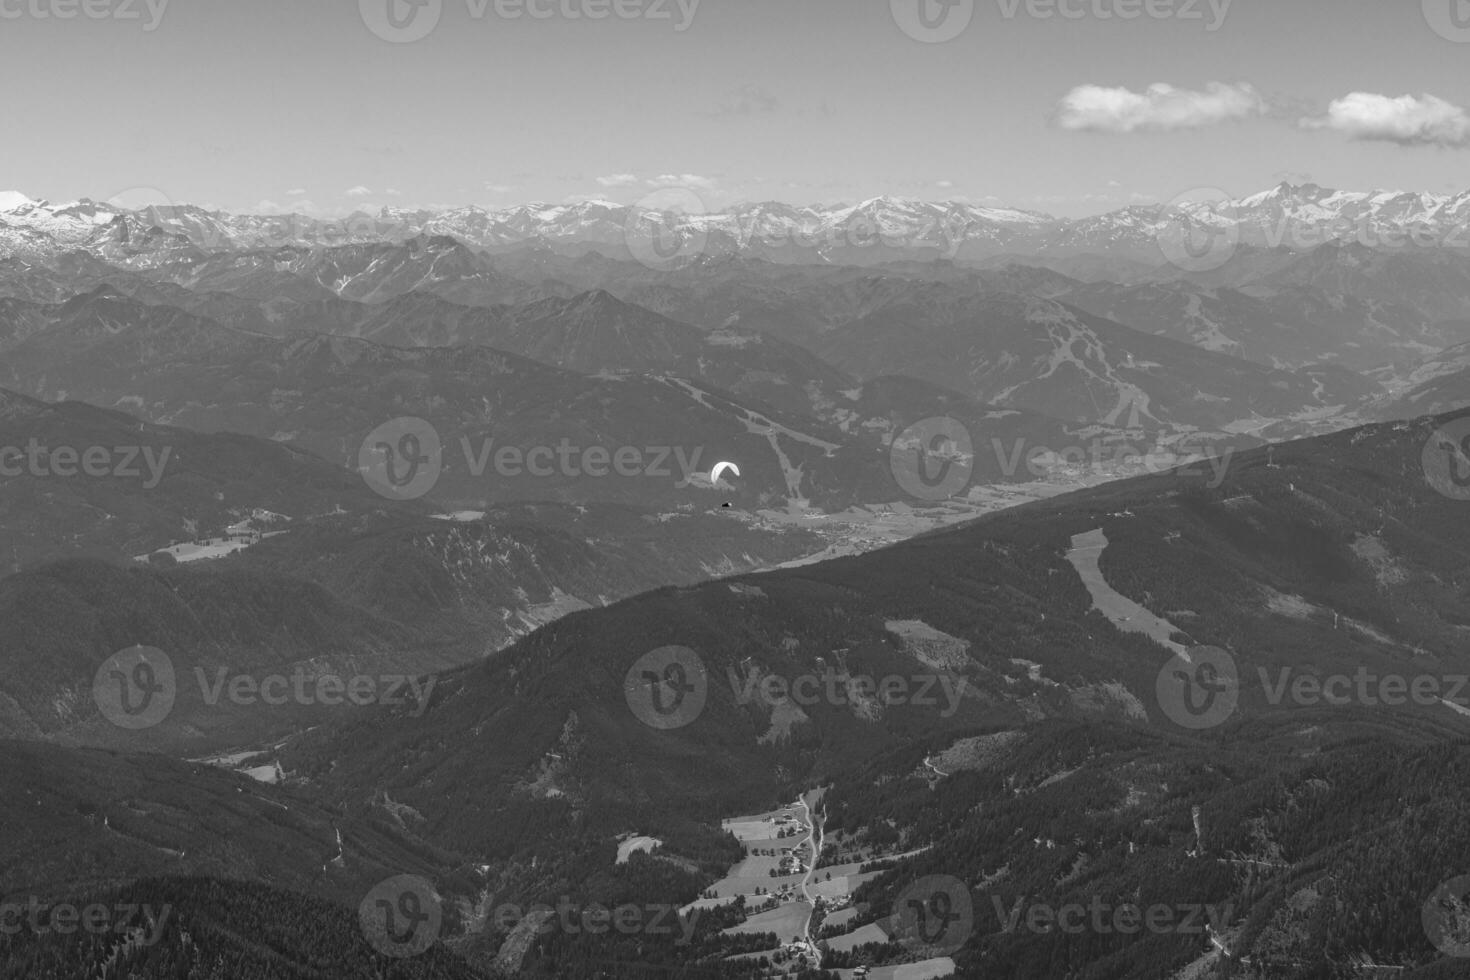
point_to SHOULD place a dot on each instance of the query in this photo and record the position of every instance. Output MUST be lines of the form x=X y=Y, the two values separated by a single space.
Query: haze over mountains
x=1342 y=323
x=1045 y=471
x=882 y=229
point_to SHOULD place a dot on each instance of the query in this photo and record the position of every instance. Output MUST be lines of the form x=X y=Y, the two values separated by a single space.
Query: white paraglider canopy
x=720 y=470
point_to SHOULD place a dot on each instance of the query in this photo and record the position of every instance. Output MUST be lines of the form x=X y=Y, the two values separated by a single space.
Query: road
x=814 y=836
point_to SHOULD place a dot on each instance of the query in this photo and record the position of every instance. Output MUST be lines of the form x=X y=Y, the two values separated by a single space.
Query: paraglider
x=720 y=469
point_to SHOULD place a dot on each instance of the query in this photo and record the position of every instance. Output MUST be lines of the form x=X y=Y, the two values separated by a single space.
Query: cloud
x=358 y=191
x=297 y=206
x=297 y=192
x=747 y=100
x=681 y=180
x=661 y=180
x=393 y=193
x=1160 y=107
x=944 y=184
x=1407 y=120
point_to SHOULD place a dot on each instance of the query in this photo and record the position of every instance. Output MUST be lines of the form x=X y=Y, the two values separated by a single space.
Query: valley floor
x=789 y=893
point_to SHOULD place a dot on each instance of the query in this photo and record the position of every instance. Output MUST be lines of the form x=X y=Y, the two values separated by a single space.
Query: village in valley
x=792 y=885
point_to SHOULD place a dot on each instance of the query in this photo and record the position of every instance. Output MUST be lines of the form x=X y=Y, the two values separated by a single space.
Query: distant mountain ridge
x=876 y=230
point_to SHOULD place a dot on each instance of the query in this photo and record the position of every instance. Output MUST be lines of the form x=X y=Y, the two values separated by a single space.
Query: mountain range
x=396 y=447
x=881 y=229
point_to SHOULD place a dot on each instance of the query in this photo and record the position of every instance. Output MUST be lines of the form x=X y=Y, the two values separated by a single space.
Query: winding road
x=814 y=836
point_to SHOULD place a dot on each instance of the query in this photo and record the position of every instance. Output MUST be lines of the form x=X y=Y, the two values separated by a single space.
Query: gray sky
x=298 y=103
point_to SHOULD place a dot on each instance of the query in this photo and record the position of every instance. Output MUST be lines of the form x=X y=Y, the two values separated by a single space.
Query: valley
x=375 y=600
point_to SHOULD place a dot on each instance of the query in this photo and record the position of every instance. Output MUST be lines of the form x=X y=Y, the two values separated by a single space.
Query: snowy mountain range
x=882 y=229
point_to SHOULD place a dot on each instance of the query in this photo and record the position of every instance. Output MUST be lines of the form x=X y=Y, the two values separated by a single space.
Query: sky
x=307 y=105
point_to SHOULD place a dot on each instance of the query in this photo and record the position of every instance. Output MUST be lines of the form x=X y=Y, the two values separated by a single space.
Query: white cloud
x=358 y=191
x=299 y=205
x=617 y=180
x=681 y=180
x=1407 y=120
x=944 y=184
x=297 y=192
x=393 y=193
x=1160 y=107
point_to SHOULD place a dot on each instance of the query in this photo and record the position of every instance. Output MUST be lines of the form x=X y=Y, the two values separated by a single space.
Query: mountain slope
x=1041 y=355
x=1345 y=524
x=79 y=480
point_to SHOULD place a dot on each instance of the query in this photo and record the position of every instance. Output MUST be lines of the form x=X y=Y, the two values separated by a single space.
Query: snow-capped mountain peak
x=14 y=200
x=875 y=230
